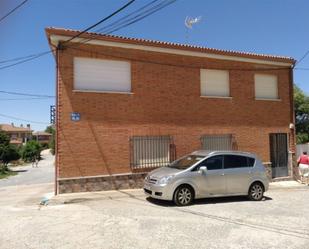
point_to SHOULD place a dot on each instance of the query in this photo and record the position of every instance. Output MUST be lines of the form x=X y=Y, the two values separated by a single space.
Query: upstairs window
x=102 y=75
x=215 y=83
x=266 y=86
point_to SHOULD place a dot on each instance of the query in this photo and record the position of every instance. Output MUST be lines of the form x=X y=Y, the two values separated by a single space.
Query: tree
x=4 y=139
x=31 y=151
x=51 y=129
x=8 y=153
x=301 y=106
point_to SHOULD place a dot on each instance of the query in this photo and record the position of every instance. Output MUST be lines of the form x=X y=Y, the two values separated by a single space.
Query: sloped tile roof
x=139 y=41
x=12 y=128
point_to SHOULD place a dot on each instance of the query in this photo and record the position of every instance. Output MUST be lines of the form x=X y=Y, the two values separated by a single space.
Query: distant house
x=42 y=137
x=18 y=135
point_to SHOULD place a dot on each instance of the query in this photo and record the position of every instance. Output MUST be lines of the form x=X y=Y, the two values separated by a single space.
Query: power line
x=20 y=119
x=26 y=60
x=270 y=68
x=23 y=57
x=142 y=15
x=39 y=98
x=302 y=58
x=10 y=12
x=126 y=16
x=125 y=21
x=28 y=94
x=101 y=21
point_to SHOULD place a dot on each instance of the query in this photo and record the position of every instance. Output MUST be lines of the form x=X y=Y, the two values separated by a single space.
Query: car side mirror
x=203 y=170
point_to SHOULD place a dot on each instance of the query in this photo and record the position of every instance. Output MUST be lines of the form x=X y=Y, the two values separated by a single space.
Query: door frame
x=276 y=162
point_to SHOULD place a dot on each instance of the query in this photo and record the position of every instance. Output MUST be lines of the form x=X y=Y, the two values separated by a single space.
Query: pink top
x=303 y=159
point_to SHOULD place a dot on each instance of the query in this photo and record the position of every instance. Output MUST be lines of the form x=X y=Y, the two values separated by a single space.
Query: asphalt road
x=44 y=173
x=126 y=219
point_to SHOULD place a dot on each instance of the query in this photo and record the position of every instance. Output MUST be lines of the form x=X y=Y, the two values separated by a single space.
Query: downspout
x=292 y=120
x=57 y=123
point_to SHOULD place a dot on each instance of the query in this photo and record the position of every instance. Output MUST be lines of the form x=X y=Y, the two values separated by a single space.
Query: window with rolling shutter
x=266 y=86
x=102 y=75
x=215 y=83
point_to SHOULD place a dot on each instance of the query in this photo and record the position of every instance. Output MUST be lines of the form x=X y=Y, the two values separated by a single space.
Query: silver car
x=203 y=174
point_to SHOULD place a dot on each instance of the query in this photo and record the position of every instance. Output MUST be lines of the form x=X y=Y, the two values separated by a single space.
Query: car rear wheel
x=256 y=191
x=183 y=196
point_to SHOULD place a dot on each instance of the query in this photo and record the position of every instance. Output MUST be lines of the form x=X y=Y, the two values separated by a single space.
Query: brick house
x=42 y=137
x=126 y=105
x=18 y=135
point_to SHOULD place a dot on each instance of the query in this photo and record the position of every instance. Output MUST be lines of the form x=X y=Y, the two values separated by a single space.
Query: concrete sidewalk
x=139 y=193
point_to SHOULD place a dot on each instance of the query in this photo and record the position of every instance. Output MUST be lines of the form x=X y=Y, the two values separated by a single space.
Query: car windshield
x=185 y=162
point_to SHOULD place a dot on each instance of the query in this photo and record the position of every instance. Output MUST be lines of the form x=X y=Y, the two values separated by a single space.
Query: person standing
x=303 y=164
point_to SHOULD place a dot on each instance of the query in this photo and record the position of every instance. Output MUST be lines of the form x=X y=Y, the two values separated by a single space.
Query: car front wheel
x=183 y=196
x=256 y=191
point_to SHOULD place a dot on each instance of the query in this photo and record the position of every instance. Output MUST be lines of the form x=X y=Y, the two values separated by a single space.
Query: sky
x=277 y=27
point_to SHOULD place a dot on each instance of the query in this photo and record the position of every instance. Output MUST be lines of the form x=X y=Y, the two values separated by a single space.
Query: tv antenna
x=189 y=21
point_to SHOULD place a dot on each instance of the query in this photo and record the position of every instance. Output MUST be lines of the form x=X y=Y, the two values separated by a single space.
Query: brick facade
x=165 y=100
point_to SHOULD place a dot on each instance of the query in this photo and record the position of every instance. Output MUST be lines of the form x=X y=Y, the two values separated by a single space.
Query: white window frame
x=125 y=86
x=207 y=75
x=259 y=97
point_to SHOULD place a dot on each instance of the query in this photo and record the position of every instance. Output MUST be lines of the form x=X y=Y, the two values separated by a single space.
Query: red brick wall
x=165 y=100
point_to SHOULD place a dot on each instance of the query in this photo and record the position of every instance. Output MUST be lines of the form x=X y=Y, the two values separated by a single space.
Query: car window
x=186 y=162
x=212 y=163
x=234 y=161
x=251 y=161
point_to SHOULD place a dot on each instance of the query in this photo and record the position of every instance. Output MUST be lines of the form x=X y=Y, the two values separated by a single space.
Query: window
x=101 y=75
x=266 y=86
x=251 y=161
x=215 y=83
x=151 y=151
x=233 y=161
x=212 y=163
x=218 y=142
x=186 y=162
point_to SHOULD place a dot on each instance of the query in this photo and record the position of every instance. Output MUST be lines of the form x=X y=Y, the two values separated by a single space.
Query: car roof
x=220 y=152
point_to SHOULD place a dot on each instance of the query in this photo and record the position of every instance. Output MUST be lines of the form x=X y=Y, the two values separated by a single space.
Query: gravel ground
x=126 y=219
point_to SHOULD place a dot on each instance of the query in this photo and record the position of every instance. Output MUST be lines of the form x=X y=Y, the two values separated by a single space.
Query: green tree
x=301 y=105
x=51 y=129
x=8 y=153
x=31 y=151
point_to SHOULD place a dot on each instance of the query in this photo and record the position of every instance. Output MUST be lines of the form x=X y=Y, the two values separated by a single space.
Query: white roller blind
x=215 y=83
x=102 y=75
x=266 y=86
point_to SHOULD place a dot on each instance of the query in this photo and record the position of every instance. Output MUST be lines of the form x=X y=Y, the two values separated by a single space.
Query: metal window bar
x=219 y=142
x=151 y=151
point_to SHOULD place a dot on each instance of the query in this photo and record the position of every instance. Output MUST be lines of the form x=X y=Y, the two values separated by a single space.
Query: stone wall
x=99 y=183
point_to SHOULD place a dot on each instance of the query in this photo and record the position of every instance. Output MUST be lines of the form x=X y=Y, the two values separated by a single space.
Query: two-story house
x=126 y=105
x=42 y=137
x=18 y=135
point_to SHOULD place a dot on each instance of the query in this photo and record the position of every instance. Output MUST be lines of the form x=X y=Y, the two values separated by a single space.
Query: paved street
x=126 y=219
x=45 y=172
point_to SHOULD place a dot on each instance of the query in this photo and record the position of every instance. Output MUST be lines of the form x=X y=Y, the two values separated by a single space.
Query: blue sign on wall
x=75 y=116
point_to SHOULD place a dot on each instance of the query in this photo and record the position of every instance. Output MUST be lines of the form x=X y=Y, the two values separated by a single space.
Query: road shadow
x=216 y=200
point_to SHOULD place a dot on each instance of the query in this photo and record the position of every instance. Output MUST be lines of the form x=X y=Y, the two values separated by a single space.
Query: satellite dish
x=189 y=21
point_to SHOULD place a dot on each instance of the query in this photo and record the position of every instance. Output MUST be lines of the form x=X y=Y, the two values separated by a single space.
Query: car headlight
x=165 y=179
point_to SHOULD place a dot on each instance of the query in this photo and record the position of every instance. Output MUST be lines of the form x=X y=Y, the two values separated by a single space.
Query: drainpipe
x=292 y=121
x=56 y=123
